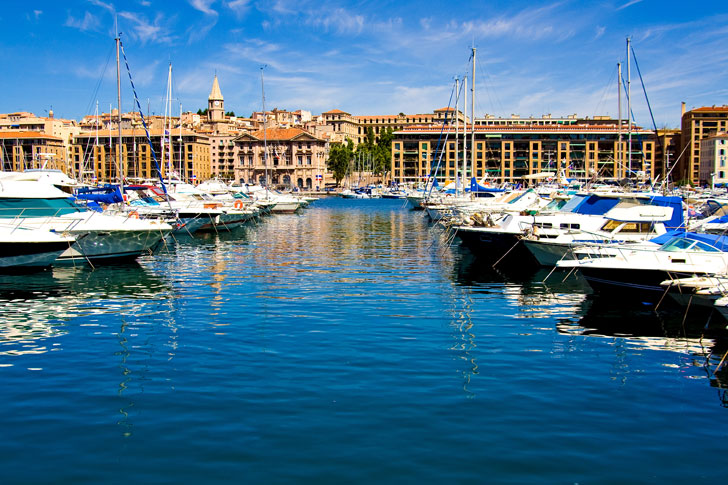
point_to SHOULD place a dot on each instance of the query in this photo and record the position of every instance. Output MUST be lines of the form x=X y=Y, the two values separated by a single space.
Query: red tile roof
x=711 y=108
x=280 y=133
x=10 y=135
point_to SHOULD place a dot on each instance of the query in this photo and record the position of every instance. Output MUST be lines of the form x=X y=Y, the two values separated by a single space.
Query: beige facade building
x=223 y=156
x=339 y=125
x=343 y=126
x=508 y=153
x=294 y=158
x=188 y=156
x=714 y=159
x=698 y=124
x=22 y=150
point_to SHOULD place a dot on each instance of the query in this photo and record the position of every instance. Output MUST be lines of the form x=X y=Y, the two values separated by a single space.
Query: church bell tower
x=215 y=103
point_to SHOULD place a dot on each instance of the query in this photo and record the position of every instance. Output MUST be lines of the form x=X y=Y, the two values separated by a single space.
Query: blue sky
x=366 y=57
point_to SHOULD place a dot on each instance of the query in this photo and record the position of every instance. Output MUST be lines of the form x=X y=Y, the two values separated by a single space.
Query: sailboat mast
x=110 y=145
x=472 y=115
x=620 y=164
x=118 y=92
x=265 y=125
x=457 y=129
x=182 y=163
x=465 y=131
x=168 y=122
x=629 y=112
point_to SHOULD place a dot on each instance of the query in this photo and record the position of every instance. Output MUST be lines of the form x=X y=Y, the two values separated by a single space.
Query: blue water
x=348 y=344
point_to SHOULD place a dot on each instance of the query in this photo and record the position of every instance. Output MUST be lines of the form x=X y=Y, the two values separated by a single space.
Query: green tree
x=230 y=114
x=339 y=157
x=384 y=146
x=202 y=112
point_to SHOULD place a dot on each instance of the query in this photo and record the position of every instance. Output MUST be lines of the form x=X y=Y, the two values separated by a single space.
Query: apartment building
x=186 y=155
x=22 y=150
x=698 y=124
x=714 y=159
x=510 y=152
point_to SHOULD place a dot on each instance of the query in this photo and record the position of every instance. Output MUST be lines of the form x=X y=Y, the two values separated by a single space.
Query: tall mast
x=629 y=112
x=465 y=131
x=472 y=115
x=620 y=165
x=97 y=122
x=168 y=122
x=265 y=136
x=110 y=144
x=96 y=150
x=182 y=162
x=457 y=129
x=118 y=92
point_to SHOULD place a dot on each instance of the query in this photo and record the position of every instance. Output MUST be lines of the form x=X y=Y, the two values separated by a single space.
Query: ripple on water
x=346 y=344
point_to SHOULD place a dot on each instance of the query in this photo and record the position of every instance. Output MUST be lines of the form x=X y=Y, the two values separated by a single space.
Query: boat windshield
x=685 y=244
x=31 y=207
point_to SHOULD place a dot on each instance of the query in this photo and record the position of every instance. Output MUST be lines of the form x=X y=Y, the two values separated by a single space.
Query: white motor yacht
x=99 y=236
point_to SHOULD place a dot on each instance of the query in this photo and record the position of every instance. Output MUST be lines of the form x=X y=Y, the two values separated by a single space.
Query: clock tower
x=215 y=103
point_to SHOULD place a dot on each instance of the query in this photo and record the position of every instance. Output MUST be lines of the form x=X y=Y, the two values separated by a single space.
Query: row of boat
x=635 y=244
x=47 y=219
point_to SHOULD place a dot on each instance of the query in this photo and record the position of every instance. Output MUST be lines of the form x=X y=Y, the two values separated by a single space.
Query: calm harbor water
x=348 y=344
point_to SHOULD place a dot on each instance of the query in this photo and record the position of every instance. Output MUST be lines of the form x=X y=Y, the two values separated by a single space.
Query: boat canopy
x=106 y=194
x=598 y=204
x=715 y=240
x=478 y=189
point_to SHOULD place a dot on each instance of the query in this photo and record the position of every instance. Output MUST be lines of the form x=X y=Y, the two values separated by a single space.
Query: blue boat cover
x=106 y=194
x=475 y=187
x=716 y=240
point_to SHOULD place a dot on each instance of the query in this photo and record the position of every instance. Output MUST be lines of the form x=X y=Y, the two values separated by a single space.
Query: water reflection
x=35 y=308
x=464 y=342
x=699 y=338
x=695 y=344
x=535 y=292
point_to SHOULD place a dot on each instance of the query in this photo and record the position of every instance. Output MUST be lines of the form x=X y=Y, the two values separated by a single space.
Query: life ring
x=133 y=215
x=238 y=204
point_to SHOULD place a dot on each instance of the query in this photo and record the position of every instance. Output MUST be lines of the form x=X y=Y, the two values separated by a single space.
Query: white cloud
x=88 y=22
x=257 y=51
x=339 y=20
x=204 y=6
x=107 y=6
x=145 y=30
x=239 y=7
x=628 y=4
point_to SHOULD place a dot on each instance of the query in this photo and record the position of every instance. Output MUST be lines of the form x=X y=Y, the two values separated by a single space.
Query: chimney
x=682 y=113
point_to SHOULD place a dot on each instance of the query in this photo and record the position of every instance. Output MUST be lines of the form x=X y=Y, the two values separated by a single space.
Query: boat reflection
x=37 y=307
x=694 y=343
x=535 y=292
x=700 y=337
